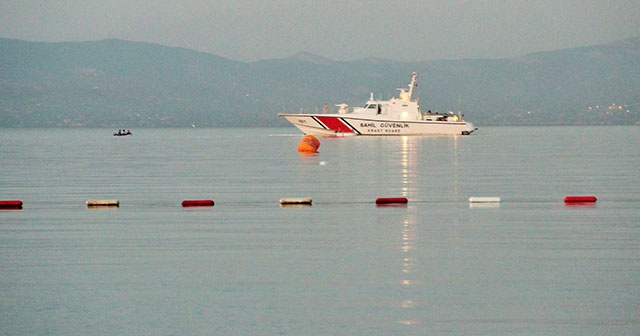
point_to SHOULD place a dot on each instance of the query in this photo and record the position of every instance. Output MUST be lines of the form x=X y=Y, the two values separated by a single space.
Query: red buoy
x=391 y=200
x=195 y=203
x=10 y=204
x=580 y=199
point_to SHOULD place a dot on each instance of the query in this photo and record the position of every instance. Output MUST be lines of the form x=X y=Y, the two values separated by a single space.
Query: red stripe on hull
x=335 y=124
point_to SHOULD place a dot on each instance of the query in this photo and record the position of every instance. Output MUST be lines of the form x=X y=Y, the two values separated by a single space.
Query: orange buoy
x=194 y=203
x=10 y=204
x=391 y=200
x=309 y=144
x=580 y=199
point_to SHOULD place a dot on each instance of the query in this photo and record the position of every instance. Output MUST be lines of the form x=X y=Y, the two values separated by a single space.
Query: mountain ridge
x=119 y=83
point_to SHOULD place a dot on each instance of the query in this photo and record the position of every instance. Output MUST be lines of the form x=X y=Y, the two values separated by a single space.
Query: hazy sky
x=249 y=30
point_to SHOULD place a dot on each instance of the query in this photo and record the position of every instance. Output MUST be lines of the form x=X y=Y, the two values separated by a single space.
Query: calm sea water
x=247 y=266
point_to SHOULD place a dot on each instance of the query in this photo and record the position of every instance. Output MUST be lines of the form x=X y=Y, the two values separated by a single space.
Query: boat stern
x=469 y=129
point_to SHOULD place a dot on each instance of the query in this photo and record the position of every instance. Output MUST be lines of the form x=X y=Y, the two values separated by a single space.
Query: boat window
x=372 y=106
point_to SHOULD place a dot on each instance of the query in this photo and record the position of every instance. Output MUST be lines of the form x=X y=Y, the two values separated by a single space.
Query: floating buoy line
x=490 y=201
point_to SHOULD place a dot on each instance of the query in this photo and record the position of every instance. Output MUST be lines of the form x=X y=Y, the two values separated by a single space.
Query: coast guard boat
x=398 y=116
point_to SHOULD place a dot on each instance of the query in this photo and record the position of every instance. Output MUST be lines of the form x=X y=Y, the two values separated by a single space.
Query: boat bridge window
x=371 y=106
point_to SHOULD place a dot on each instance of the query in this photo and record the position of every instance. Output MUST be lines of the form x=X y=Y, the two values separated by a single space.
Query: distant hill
x=122 y=84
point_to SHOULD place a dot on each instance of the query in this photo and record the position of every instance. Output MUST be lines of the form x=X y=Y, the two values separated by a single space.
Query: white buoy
x=295 y=201
x=484 y=199
x=103 y=203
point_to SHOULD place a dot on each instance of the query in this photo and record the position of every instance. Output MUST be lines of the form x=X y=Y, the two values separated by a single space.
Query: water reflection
x=580 y=205
x=484 y=205
x=408 y=162
x=408 y=263
x=454 y=169
x=425 y=160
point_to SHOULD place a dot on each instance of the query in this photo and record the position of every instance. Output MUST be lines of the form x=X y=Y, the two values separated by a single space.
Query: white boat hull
x=345 y=125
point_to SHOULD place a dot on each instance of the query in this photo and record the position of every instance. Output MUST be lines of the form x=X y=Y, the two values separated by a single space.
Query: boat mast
x=406 y=96
x=459 y=105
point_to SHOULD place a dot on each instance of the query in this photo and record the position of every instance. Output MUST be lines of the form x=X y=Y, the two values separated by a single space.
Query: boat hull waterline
x=341 y=125
x=397 y=116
